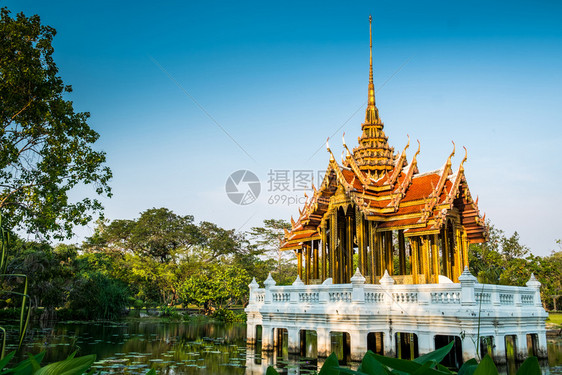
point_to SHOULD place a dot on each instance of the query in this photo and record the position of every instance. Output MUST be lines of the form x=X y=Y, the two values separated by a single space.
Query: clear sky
x=281 y=77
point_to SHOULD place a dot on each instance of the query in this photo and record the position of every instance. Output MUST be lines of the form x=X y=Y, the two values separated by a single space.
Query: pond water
x=182 y=348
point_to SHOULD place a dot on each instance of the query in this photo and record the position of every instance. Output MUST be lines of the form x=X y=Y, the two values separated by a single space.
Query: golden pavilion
x=377 y=212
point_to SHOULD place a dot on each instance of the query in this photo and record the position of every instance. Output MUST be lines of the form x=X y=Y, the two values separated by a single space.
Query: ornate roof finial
x=372 y=114
x=371 y=55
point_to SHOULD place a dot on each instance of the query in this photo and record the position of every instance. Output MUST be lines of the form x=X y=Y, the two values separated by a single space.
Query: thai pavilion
x=382 y=254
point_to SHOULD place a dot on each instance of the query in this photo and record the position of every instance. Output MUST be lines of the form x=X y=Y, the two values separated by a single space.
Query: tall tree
x=267 y=240
x=46 y=147
x=160 y=233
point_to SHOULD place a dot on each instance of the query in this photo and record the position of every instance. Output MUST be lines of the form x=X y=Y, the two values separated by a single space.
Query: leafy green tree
x=51 y=272
x=46 y=146
x=550 y=276
x=268 y=238
x=485 y=260
x=152 y=281
x=113 y=237
x=95 y=295
x=160 y=233
x=502 y=260
x=217 y=244
x=216 y=286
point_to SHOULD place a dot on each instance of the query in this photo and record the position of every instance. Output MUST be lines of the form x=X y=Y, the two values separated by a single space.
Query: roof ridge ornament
x=401 y=191
x=448 y=163
x=353 y=164
x=399 y=163
x=329 y=150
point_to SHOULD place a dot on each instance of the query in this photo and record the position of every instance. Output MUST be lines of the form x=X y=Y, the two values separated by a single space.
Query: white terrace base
x=427 y=310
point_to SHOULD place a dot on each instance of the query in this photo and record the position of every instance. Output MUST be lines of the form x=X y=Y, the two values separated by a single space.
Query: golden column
x=414 y=259
x=333 y=245
x=435 y=258
x=324 y=248
x=401 y=252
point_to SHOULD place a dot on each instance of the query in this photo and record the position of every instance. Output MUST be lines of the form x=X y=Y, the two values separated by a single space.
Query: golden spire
x=373 y=153
x=372 y=114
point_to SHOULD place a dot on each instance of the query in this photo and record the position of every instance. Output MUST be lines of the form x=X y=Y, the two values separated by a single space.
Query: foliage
x=170 y=312
x=551 y=277
x=428 y=364
x=228 y=316
x=504 y=260
x=31 y=365
x=97 y=296
x=224 y=315
x=46 y=146
x=6 y=289
x=158 y=233
x=266 y=241
x=52 y=270
x=269 y=236
x=216 y=286
x=167 y=259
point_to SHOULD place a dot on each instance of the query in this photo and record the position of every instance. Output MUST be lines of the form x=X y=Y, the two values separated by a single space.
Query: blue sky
x=280 y=77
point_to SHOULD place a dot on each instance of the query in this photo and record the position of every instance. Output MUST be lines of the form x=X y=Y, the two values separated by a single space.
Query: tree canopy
x=162 y=258
x=46 y=147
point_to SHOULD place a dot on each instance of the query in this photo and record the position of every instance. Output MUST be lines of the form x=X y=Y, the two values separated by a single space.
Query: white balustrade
x=467 y=292
x=309 y=297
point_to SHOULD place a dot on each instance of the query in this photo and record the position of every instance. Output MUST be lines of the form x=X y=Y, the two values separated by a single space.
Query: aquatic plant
x=25 y=311
x=69 y=366
x=427 y=364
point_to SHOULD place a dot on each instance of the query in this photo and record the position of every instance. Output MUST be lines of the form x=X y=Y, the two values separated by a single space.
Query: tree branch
x=19 y=112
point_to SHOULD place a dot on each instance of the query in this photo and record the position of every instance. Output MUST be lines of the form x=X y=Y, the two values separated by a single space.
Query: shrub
x=170 y=312
x=224 y=315
x=98 y=296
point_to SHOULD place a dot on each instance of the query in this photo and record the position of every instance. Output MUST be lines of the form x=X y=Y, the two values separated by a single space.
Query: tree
x=267 y=240
x=485 y=260
x=216 y=286
x=50 y=272
x=46 y=147
x=218 y=243
x=160 y=233
x=95 y=295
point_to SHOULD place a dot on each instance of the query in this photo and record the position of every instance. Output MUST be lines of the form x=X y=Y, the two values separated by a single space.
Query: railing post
x=294 y=293
x=495 y=295
x=424 y=297
x=467 y=281
x=358 y=287
x=387 y=283
x=268 y=283
x=253 y=286
x=534 y=284
x=323 y=294
x=517 y=298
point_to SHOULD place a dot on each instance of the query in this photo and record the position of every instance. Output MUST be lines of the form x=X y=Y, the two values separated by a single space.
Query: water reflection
x=185 y=348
